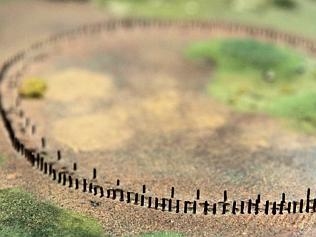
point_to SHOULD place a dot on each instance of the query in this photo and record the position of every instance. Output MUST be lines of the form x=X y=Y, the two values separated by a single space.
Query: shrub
x=32 y=88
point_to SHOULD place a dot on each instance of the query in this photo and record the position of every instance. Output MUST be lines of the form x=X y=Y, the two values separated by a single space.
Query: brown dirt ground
x=144 y=118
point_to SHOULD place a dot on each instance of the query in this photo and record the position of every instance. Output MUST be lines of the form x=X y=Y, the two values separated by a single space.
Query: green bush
x=32 y=88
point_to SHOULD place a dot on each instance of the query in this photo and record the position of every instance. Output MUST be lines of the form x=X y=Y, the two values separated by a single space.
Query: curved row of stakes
x=67 y=177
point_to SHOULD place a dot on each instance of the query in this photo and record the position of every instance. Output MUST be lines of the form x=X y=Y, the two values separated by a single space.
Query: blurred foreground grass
x=21 y=215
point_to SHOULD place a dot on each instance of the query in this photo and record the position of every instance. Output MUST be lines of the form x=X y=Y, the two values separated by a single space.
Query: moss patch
x=259 y=77
x=21 y=215
x=32 y=88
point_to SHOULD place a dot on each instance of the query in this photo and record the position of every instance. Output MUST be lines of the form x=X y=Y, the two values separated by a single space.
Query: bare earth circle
x=136 y=108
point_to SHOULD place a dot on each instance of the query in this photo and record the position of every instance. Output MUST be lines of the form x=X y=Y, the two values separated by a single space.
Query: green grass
x=300 y=107
x=248 y=54
x=299 y=16
x=161 y=234
x=21 y=215
x=258 y=77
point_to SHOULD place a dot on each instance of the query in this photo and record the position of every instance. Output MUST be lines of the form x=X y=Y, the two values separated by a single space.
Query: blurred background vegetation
x=290 y=15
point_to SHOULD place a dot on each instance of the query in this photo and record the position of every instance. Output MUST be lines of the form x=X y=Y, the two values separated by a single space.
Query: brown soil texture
x=131 y=105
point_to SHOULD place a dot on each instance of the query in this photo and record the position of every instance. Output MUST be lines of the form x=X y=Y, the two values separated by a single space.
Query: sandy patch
x=259 y=132
x=75 y=85
x=166 y=111
x=169 y=110
x=95 y=131
x=204 y=113
x=161 y=104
